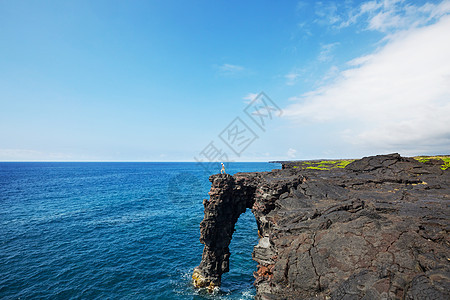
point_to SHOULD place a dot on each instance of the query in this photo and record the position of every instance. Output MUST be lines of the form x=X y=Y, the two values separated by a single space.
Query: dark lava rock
x=377 y=229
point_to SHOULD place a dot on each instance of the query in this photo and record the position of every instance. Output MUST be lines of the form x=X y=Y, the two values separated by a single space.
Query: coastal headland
x=373 y=228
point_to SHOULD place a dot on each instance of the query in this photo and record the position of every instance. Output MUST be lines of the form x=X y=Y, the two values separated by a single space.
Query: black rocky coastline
x=376 y=229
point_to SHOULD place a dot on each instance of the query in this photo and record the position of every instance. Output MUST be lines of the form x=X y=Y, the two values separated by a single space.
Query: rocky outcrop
x=229 y=198
x=376 y=229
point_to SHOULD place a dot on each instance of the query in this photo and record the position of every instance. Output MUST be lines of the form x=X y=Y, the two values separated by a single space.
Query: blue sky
x=161 y=80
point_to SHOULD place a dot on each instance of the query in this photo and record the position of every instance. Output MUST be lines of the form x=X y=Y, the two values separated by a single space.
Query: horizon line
x=120 y=161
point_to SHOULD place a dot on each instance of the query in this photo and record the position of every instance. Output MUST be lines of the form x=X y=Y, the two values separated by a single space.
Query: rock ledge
x=376 y=229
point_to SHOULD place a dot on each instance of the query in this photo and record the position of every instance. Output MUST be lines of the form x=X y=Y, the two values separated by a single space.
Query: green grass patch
x=445 y=159
x=324 y=164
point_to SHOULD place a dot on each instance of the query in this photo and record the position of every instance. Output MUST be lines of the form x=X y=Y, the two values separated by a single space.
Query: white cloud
x=326 y=52
x=327 y=13
x=331 y=74
x=229 y=69
x=360 y=60
x=391 y=15
x=396 y=98
x=301 y=5
x=370 y=6
x=291 y=153
x=250 y=97
x=291 y=78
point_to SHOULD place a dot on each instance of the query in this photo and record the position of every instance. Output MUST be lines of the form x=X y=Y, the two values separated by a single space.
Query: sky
x=223 y=80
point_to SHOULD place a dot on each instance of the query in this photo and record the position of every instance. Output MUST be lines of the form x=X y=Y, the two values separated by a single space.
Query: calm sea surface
x=112 y=231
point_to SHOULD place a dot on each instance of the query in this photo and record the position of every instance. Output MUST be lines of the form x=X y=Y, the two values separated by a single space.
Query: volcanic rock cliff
x=376 y=229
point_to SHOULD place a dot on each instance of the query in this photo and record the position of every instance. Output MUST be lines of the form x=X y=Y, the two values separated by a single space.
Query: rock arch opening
x=229 y=198
x=242 y=265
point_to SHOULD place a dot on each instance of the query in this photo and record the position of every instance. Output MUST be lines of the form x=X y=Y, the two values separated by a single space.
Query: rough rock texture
x=377 y=229
x=229 y=197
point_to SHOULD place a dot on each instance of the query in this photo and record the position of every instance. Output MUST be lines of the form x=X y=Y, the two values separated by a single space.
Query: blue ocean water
x=112 y=231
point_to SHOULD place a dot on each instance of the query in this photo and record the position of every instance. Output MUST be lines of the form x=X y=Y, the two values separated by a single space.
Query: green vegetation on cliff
x=444 y=158
x=342 y=163
x=324 y=164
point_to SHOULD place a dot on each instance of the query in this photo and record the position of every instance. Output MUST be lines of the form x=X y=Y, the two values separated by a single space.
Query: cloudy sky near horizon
x=165 y=80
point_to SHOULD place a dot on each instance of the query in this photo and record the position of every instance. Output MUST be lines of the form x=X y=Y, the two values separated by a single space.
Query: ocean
x=113 y=231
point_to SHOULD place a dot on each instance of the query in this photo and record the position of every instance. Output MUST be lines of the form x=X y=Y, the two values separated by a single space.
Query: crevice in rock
x=312 y=262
